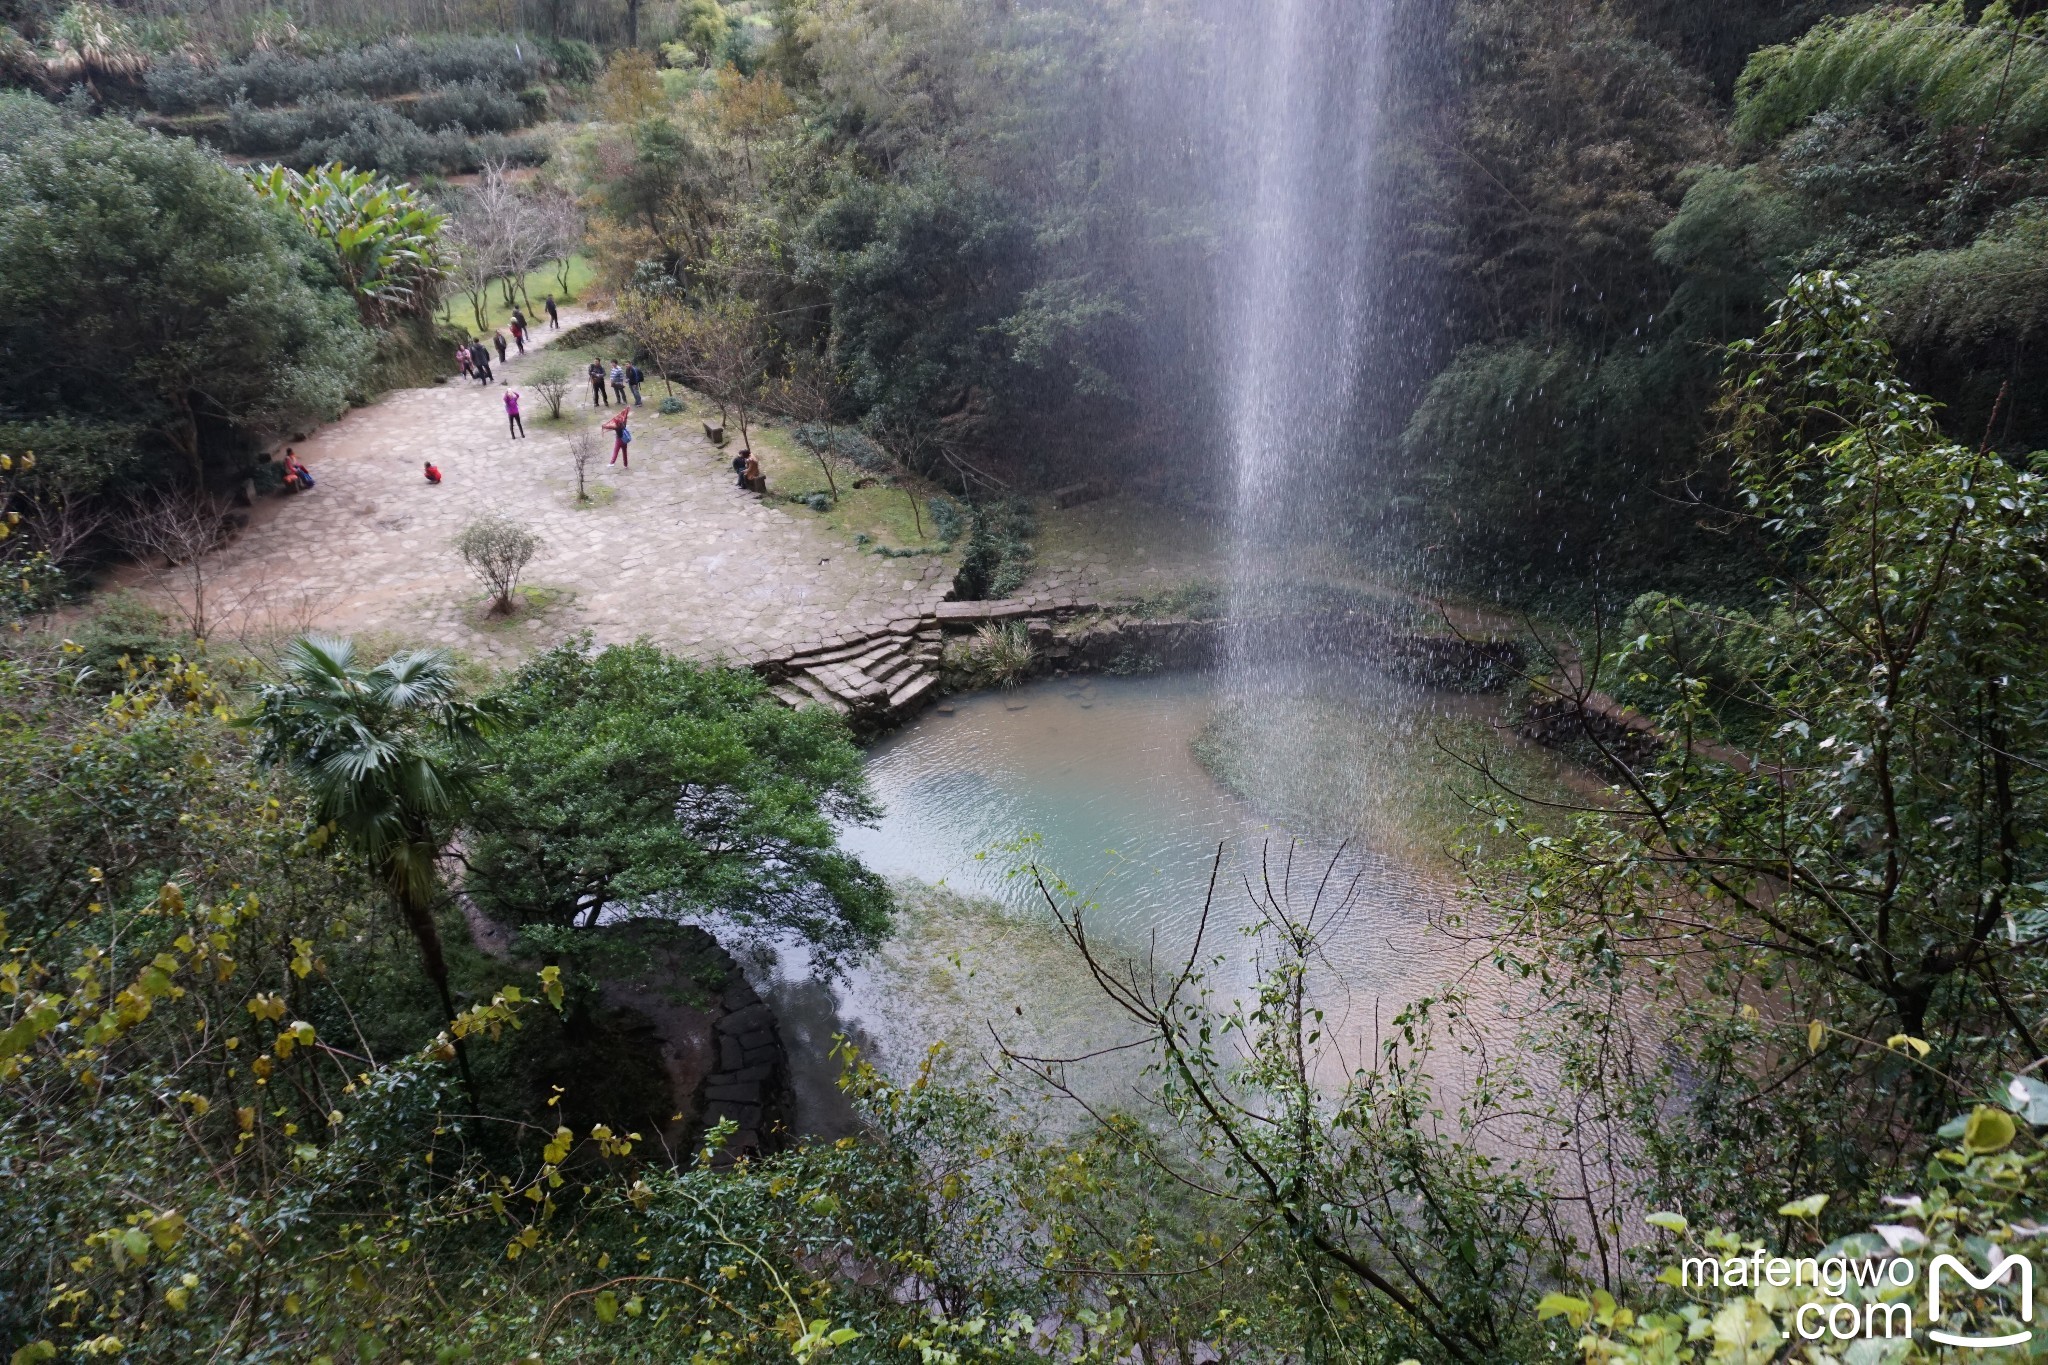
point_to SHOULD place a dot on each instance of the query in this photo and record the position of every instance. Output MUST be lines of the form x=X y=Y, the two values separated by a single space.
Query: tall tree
x=382 y=751
x=629 y=777
x=146 y=284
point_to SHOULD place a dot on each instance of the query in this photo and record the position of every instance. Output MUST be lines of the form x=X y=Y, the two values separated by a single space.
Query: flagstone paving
x=670 y=549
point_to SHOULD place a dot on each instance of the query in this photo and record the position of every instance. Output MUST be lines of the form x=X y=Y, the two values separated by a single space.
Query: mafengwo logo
x=1999 y=1271
x=1952 y=1284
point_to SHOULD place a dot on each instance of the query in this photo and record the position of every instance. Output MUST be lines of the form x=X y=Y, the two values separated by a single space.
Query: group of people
x=747 y=470
x=617 y=382
x=473 y=358
x=622 y=376
x=297 y=478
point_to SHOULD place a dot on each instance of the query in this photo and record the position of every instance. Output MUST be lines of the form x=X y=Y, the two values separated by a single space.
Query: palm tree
x=382 y=750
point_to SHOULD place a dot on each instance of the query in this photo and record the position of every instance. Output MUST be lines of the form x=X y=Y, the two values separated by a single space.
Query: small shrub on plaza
x=497 y=551
x=551 y=380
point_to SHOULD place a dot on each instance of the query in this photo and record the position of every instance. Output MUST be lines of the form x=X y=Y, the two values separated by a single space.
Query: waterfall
x=1307 y=354
x=1301 y=281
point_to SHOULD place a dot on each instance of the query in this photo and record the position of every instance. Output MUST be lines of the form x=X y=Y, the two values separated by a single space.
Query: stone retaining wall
x=880 y=678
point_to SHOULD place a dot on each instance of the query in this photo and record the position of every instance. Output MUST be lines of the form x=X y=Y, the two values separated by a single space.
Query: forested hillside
x=348 y=985
x=958 y=228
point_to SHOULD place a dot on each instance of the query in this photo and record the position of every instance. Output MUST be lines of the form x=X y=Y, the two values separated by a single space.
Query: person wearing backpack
x=622 y=437
x=633 y=381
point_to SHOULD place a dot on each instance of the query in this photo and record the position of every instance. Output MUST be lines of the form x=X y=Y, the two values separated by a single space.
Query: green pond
x=1128 y=790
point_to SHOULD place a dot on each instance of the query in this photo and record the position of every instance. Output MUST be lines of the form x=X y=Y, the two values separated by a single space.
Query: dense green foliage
x=382 y=750
x=1839 y=838
x=1896 y=142
x=940 y=221
x=151 y=294
x=627 y=776
x=385 y=237
x=441 y=105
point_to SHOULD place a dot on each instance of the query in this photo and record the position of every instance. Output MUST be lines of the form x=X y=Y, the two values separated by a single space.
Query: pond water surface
x=1126 y=789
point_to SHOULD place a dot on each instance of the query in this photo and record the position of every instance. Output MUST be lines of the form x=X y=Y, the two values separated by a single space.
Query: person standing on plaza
x=618 y=382
x=512 y=422
x=634 y=379
x=622 y=437
x=596 y=373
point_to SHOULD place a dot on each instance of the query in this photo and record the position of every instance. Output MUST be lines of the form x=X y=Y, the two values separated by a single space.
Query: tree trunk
x=186 y=438
x=419 y=917
x=632 y=23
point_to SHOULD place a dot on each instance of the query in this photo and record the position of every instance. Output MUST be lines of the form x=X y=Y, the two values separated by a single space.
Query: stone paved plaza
x=670 y=550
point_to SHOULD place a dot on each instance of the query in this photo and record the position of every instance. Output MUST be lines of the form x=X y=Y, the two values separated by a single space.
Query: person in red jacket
x=433 y=474
x=622 y=437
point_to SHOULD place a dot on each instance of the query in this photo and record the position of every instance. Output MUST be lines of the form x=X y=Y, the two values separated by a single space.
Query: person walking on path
x=480 y=362
x=463 y=361
x=433 y=474
x=519 y=333
x=634 y=379
x=622 y=437
x=512 y=422
x=498 y=340
x=554 y=314
x=618 y=382
x=596 y=373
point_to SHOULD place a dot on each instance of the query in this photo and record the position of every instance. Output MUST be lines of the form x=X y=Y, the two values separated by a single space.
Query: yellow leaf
x=1571 y=1309
x=1816 y=1034
x=1989 y=1130
x=1920 y=1046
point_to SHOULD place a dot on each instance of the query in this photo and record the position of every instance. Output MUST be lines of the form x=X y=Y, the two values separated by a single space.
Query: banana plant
x=385 y=236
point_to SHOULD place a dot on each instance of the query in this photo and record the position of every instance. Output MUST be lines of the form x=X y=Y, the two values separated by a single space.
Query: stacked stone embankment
x=880 y=677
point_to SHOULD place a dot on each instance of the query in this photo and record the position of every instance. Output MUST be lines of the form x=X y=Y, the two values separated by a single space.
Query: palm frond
x=418 y=678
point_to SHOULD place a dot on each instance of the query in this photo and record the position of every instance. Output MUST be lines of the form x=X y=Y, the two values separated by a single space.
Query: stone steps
x=879 y=675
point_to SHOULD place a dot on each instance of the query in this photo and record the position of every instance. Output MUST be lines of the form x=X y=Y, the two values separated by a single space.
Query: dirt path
x=670 y=550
